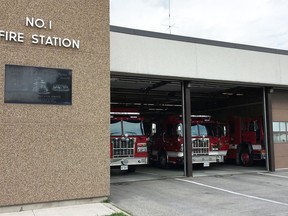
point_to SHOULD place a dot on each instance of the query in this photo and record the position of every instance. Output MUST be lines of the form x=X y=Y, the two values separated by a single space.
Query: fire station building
x=63 y=67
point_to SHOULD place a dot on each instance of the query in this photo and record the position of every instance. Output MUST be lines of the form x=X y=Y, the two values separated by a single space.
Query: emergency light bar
x=124 y=113
x=201 y=116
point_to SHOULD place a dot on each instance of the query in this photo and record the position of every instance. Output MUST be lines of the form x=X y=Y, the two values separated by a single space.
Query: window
x=133 y=128
x=194 y=130
x=115 y=128
x=202 y=130
x=280 y=132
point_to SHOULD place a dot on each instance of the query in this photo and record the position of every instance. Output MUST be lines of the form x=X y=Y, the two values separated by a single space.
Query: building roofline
x=144 y=33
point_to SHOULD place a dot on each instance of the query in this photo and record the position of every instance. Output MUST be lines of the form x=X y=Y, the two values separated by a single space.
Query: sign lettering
x=39 y=23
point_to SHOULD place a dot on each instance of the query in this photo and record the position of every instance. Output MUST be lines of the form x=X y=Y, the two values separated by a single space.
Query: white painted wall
x=154 y=56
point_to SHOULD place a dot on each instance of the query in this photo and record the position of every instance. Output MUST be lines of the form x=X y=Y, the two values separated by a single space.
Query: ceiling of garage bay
x=160 y=93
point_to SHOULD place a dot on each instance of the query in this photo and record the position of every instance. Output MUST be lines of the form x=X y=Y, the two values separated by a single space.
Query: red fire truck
x=128 y=145
x=247 y=140
x=209 y=141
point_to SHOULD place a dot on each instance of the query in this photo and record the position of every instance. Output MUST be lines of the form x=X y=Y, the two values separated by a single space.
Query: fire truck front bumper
x=207 y=159
x=128 y=161
x=218 y=153
x=213 y=157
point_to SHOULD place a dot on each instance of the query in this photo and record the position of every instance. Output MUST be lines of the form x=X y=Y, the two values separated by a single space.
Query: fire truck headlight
x=141 y=147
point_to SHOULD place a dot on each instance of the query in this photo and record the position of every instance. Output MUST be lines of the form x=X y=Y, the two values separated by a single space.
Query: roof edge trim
x=144 y=33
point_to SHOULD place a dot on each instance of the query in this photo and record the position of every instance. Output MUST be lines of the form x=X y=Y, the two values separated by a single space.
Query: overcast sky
x=254 y=22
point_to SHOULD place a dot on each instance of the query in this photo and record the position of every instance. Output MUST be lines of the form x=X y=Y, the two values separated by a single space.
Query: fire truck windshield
x=202 y=130
x=115 y=128
x=132 y=128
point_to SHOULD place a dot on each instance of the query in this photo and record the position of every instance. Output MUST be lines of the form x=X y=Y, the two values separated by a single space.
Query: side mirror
x=153 y=129
x=225 y=130
x=179 y=130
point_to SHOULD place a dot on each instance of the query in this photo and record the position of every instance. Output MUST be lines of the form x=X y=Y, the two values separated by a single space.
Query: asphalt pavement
x=253 y=193
x=222 y=190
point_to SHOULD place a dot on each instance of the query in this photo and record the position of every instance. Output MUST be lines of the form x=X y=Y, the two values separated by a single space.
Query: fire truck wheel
x=163 y=160
x=246 y=158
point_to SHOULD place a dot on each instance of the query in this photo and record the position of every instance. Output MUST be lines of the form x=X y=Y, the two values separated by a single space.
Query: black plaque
x=37 y=85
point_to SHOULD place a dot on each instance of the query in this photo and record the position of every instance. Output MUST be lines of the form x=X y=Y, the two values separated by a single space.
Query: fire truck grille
x=200 y=146
x=123 y=147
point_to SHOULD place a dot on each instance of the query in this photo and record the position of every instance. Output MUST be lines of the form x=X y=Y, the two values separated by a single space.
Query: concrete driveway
x=153 y=172
x=255 y=193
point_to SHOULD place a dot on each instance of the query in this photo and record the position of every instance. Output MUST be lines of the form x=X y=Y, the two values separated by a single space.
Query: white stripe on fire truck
x=174 y=154
x=219 y=153
x=169 y=153
x=256 y=147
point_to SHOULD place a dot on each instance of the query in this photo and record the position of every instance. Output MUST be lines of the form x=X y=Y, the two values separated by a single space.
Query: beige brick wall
x=53 y=152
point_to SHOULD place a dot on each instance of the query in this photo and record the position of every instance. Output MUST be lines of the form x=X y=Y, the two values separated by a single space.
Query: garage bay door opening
x=227 y=127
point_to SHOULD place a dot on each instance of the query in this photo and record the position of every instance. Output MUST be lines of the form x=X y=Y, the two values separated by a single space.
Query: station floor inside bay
x=145 y=173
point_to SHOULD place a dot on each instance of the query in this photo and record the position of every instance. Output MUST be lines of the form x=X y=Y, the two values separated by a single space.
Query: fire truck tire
x=246 y=158
x=163 y=160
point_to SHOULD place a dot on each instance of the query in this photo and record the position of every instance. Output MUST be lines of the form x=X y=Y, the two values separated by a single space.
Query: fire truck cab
x=209 y=141
x=128 y=142
x=247 y=140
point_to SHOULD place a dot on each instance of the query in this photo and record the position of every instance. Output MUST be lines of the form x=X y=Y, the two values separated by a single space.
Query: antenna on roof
x=169 y=16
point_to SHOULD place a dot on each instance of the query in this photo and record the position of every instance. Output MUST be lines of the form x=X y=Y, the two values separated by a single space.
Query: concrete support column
x=186 y=110
x=268 y=129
